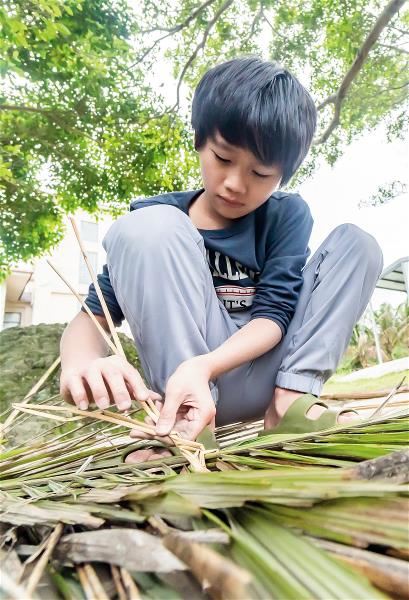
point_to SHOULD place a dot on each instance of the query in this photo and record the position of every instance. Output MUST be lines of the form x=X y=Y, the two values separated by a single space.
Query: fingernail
x=103 y=403
x=162 y=429
x=83 y=405
x=125 y=405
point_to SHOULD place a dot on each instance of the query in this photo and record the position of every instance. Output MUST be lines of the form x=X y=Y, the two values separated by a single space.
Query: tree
x=393 y=329
x=353 y=55
x=79 y=126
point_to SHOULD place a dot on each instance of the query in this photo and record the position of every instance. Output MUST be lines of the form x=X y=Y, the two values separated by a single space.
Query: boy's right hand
x=104 y=380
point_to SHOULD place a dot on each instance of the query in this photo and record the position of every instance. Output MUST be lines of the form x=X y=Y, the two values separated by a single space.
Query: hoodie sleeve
x=280 y=280
x=94 y=304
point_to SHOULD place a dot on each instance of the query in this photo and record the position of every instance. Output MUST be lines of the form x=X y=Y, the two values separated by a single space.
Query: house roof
x=396 y=276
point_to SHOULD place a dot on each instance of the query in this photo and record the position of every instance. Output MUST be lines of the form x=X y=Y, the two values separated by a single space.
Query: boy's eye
x=225 y=160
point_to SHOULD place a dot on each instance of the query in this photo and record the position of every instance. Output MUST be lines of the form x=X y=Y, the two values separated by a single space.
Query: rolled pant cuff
x=300 y=383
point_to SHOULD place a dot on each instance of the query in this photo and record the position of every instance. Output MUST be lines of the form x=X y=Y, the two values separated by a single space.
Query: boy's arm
x=81 y=342
x=189 y=406
x=88 y=374
x=251 y=341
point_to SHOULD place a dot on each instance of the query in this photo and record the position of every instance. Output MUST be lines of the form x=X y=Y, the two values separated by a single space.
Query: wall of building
x=49 y=299
x=23 y=308
x=53 y=302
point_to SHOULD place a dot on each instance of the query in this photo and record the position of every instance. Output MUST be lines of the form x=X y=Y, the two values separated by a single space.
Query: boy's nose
x=235 y=184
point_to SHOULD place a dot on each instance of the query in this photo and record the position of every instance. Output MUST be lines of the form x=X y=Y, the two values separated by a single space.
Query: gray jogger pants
x=161 y=279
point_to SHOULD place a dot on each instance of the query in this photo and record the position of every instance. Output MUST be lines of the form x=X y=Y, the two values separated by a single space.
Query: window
x=11 y=319
x=89 y=231
x=84 y=276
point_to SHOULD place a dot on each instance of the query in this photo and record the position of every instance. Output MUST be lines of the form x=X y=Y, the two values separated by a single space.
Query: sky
x=334 y=194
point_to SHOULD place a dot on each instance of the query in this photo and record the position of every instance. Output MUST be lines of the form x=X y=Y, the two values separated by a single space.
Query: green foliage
x=386 y=192
x=393 y=328
x=79 y=126
x=318 y=41
x=25 y=355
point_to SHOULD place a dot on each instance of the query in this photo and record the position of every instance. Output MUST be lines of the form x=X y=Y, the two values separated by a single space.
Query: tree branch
x=254 y=23
x=380 y=93
x=396 y=48
x=384 y=18
x=199 y=47
x=55 y=117
x=330 y=100
x=184 y=23
x=170 y=31
x=263 y=14
x=17 y=107
x=401 y=31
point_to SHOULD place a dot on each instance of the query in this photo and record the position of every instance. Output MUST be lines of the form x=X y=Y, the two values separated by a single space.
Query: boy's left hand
x=188 y=407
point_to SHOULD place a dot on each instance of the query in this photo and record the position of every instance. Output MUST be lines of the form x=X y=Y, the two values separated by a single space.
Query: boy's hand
x=188 y=406
x=104 y=380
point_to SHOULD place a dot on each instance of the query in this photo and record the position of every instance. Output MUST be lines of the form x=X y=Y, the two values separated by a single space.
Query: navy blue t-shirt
x=256 y=262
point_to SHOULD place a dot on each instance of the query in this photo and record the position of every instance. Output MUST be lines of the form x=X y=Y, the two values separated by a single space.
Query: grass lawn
x=385 y=382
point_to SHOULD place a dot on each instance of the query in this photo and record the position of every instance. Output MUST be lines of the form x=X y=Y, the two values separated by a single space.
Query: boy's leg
x=338 y=283
x=162 y=281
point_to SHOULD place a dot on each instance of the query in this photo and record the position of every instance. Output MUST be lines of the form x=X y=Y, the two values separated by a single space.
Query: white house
x=34 y=293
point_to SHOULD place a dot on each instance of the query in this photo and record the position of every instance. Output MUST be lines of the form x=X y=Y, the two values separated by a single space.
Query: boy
x=228 y=323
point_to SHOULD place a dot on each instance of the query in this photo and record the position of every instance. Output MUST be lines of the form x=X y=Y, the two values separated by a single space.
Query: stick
x=360 y=395
x=118 y=583
x=33 y=391
x=85 y=307
x=105 y=309
x=117 y=419
x=99 y=592
x=388 y=397
x=85 y=583
x=38 y=570
x=101 y=298
x=130 y=585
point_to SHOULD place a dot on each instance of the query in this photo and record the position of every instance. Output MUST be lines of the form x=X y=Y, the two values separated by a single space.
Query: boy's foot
x=284 y=399
x=147 y=454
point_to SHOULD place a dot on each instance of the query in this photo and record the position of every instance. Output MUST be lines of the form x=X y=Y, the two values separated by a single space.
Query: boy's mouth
x=232 y=203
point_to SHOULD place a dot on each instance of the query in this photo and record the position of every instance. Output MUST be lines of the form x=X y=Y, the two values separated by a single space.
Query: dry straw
x=193 y=451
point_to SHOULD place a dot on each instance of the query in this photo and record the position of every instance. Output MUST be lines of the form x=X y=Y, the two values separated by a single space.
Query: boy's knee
x=146 y=228
x=362 y=245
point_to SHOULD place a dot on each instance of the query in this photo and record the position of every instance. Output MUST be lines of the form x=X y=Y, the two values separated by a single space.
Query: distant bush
x=393 y=329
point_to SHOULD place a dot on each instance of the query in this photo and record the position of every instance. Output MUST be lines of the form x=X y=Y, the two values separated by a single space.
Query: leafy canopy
x=79 y=127
x=82 y=127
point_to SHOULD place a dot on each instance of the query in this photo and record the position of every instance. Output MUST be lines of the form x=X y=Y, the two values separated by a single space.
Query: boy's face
x=235 y=182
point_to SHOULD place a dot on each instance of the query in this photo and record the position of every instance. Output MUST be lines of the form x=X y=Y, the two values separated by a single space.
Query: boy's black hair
x=257 y=105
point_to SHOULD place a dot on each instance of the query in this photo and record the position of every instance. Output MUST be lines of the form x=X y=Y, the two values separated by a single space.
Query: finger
x=142 y=435
x=65 y=392
x=197 y=422
x=139 y=389
x=119 y=391
x=78 y=393
x=98 y=388
x=167 y=416
x=155 y=397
